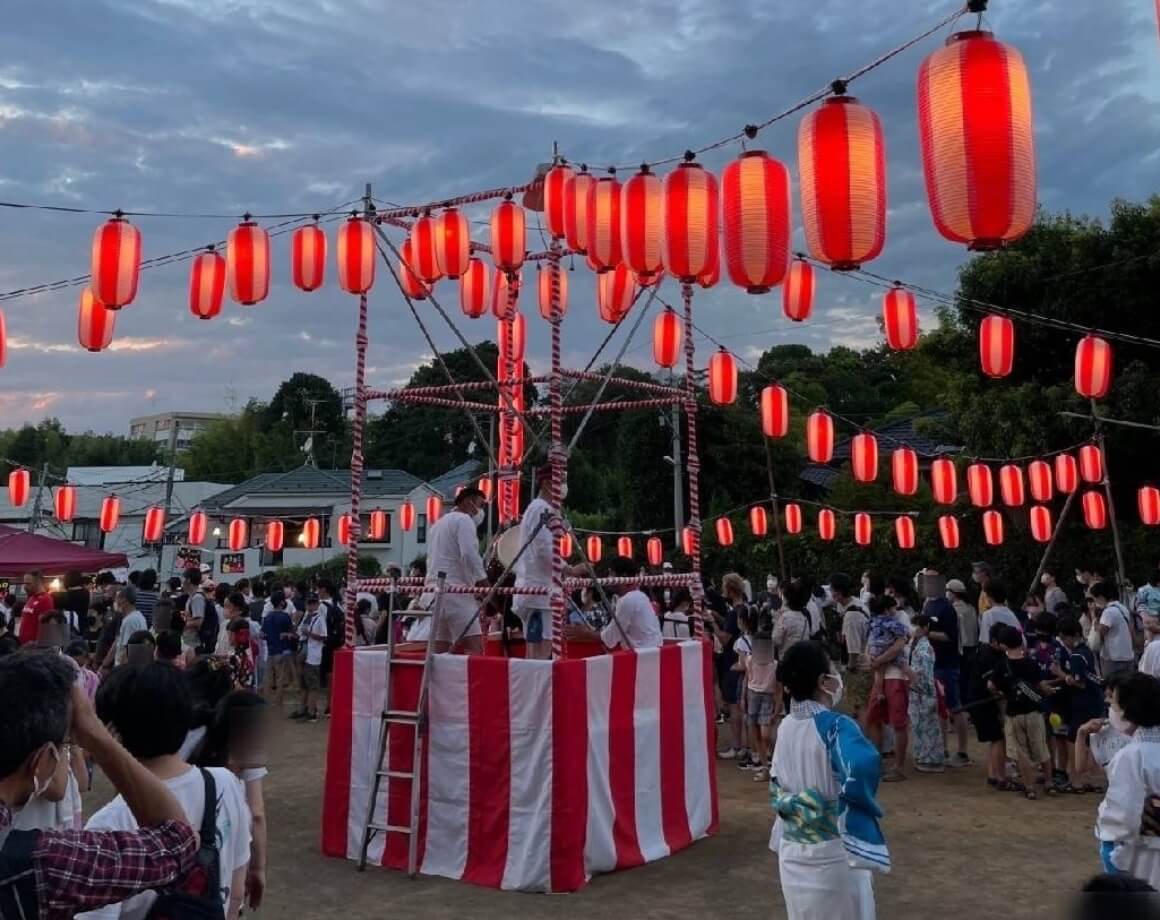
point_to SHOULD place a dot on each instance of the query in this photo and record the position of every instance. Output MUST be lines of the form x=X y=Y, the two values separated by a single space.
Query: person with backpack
x=1117 y=634
x=335 y=628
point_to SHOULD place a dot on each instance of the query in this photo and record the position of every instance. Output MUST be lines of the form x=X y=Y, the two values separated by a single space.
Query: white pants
x=455 y=613
x=818 y=883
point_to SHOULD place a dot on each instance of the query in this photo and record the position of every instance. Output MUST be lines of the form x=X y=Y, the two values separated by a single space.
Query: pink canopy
x=22 y=552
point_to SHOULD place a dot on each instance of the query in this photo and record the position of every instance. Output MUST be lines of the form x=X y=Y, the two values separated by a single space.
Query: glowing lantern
x=198 y=527
x=345 y=522
x=576 y=190
x=827 y=524
x=64 y=503
x=509 y=236
x=512 y=338
x=308 y=257
x=1011 y=485
x=1040 y=523
x=110 y=514
x=997 y=346
x=545 y=285
x=690 y=222
x=594 y=549
x=758 y=523
x=378 y=524
x=424 y=244
x=1093 y=367
x=435 y=504
x=406 y=516
x=473 y=289
x=485 y=487
x=3 y=340
x=1039 y=479
x=980 y=485
x=615 y=292
x=842 y=165
x=724 y=531
x=756 y=221
x=356 y=256
x=154 y=527
x=656 y=551
x=992 y=528
x=797 y=296
x=413 y=286
x=505 y=294
x=904 y=531
x=555 y=194
x=688 y=540
x=239 y=534
x=604 y=246
x=248 y=263
x=1148 y=504
x=19 y=483
x=863 y=528
x=900 y=319
x=978 y=147
x=207 y=284
x=904 y=471
x=1091 y=463
x=311 y=534
x=793 y=518
x=711 y=275
x=1095 y=510
x=820 y=436
x=944 y=481
x=642 y=223
x=95 y=323
x=624 y=547
x=722 y=378
x=667 y=339
x=565 y=544
x=864 y=457
x=948 y=531
x=452 y=243
x=774 y=411
x=275 y=536
x=116 y=262
x=1066 y=473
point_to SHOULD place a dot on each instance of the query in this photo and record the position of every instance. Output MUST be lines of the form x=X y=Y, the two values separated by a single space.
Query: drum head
x=507 y=546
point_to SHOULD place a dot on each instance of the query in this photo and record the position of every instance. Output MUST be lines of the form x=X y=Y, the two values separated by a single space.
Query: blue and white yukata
x=1133 y=779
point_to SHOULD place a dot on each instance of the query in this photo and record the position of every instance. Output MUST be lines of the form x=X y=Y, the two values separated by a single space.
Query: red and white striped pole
x=693 y=465
x=356 y=468
x=558 y=460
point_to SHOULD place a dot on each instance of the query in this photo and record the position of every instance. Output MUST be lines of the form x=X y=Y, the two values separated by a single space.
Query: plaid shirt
x=82 y=870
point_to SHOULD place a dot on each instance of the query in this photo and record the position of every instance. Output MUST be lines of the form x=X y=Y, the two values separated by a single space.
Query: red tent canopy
x=22 y=552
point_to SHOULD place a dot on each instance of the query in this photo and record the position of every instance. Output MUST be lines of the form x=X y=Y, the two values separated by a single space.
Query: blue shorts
x=949 y=678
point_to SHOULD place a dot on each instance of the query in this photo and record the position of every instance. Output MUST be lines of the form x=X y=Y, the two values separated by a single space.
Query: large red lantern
x=797 y=295
x=1093 y=367
x=900 y=319
x=64 y=503
x=756 y=221
x=1091 y=463
x=509 y=236
x=576 y=189
x=1011 y=485
x=95 y=323
x=944 y=481
x=110 y=514
x=624 y=547
x=948 y=531
x=1066 y=473
x=688 y=540
x=275 y=536
x=711 y=275
x=793 y=518
x=116 y=262
x=820 y=436
x=413 y=286
x=378 y=524
x=594 y=549
x=774 y=411
x=207 y=284
x=904 y=531
x=842 y=166
x=904 y=471
x=615 y=292
x=424 y=245
x=656 y=551
x=642 y=223
x=667 y=339
x=758 y=522
x=198 y=527
x=512 y=335
x=473 y=289
x=978 y=147
x=724 y=531
x=1040 y=482
x=565 y=544
x=435 y=503
x=505 y=294
x=604 y=244
x=980 y=485
x=1095 y=510
x=238 y=537
x=863 y=528
x=1148 y=504
x=555 y=195
x=992 y=528
x=1040 y=523
x=997 y=346
x=406 y=516
x=864 y=457
x=452 y=243
x=545 y=286
x=308 y=257
x=154 y=526
x=311 y=535
x=827 y=524
x=690 y=222
x=248 y=263
x=356 y=256
x=722 y=378
x=19 y=484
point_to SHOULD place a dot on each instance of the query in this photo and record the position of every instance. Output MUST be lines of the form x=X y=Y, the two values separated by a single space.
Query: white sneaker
x=729 y=754
x=761 y=776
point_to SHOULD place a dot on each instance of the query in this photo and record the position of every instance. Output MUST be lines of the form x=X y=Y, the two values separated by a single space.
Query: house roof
x=307 y=480
x=467 y=471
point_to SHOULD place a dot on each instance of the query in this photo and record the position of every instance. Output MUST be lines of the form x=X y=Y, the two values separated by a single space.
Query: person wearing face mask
x=453 y=551
x=823 y=786
x=634 y=623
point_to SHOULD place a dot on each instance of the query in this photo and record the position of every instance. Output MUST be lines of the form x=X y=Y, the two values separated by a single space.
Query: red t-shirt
x=34 y=608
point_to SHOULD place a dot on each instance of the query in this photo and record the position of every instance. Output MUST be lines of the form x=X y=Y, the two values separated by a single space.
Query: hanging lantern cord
x=690 y=156
x=838 y=87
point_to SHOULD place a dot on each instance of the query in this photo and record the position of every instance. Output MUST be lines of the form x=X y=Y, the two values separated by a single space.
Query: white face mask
x=478 y=516
x=835 y=695
x=563 y=491
x=37 y=789
x=1118 y=722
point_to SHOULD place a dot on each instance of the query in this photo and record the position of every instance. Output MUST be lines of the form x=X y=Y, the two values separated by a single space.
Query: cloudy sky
x=223 y=106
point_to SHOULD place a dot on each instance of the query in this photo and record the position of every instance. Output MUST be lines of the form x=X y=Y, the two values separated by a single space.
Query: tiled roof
x=309 y=481
x=466 y=472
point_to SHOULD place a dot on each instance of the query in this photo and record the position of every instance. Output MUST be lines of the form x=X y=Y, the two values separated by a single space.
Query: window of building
x=421 y=528
x=89 y=534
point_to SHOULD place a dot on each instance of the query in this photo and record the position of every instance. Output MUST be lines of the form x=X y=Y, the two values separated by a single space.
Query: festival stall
x=22 y=552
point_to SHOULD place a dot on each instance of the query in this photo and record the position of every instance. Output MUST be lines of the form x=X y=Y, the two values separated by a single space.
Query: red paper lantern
x=576 y=190
x=116 y=262
x=555 y=194
x=1091 y=463
x=724 y=531
x=239 y=535
x=154 y=527
x=1066 y=473
x=452 y=243
x=1095 y=510
x=110 y=514
x=435 y=503
x=424 y=246
x=1148 y=504
x=656 y=551
x=980 y=485
x=512 y=335
x=356 y=256
x=758 y=523
x=1040 y=523
x=3 y=340
x=722 y=378
x=900 y=319
x=667 y=339
x=95 y=323
x=345 y=525
x=978 y=146
x=604 y=244
x=378 y=524
x=64 y=503
x=1093 y=367
x=688 y=540
x=275 y=536
x=1011 y=485
x=509 y=236
x=19 y=483
x=863 y=528
x=711 y=275
x=793 y=518
x=207 y=284
x=485 y=487
x=565 y=544
x=756 y=221
x=198 y=527
x=820 y=436
x=827 y=524
x=594 y=549
x=406 y=516
x=545 y=286
x=842 y=166
x=774 y=411
x=948 y=531
x=642 y=203
x=413 y=286
x=473 y=289
x=308 y=257
x=864 y=457
x=615 y=292
x=505 y=294
x=992 y=528
x=997 y=346
x=797 y=295
x=944 y=481
x=904 y=531
x=1039 y=479
x=248 y=263
x=311 y=535
x=624 y=547
x=690 y=222
x=904 y=471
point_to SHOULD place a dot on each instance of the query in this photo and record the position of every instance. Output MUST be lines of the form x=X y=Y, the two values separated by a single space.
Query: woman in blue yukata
x=823 y=782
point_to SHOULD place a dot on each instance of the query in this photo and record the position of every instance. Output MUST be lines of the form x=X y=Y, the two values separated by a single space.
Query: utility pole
x=36 y=504
x=678 y=472
x=776 y=509
x=308 y=445
x=1120 y=572
x=169 y=482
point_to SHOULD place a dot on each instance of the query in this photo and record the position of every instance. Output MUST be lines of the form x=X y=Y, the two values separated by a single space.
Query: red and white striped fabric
x=538 y=774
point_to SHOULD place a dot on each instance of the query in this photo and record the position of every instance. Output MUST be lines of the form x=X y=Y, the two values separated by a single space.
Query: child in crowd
x=1024 y=727
x=242 y=654
x=987 y=673
x=763 y=694
x=924 y=701
x=743 y=648
x=1051 y=655
x=1085 y=698
x=169 y=649
x=87 y=678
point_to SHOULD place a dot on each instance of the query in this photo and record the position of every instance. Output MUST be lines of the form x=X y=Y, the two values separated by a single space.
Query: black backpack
x=335 y=625
x=198 y=896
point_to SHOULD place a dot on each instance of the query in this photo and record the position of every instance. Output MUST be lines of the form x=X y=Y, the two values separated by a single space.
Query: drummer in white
x=634 y=625
x=453 y=549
